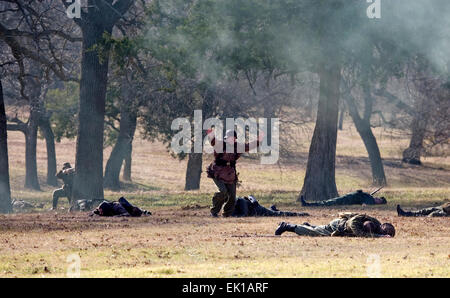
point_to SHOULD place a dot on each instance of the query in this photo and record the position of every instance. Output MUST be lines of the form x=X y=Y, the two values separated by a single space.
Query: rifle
x=374 y=192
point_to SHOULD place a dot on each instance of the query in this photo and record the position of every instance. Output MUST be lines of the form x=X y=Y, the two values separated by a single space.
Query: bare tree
x=320 y=180
x=5 y=190
x=36 y=36
x=363 y=123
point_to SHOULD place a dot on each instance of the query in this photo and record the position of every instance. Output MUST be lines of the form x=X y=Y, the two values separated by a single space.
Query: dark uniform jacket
x=223 y=167
x=246 y=206
x=67 y=177
x=120 y=208
x=249 y=206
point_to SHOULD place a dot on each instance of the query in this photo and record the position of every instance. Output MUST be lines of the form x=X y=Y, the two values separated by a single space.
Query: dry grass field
x=181 y=240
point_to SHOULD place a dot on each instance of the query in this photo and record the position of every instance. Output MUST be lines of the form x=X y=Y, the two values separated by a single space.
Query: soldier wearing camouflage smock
x=354 y=198
x=223 y=170
x=347 y=225
x=441 y=211
x=66 y=175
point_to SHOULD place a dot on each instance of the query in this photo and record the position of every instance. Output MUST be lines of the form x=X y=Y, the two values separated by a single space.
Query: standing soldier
x=223 y=171
x=66 y=175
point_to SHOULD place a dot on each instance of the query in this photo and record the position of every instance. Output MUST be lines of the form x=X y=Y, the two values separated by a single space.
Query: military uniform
x=223 y=171
x=249 y=206
x=120 y=208
x=353 y=225
x=66 y=175
x=354 y=198
x=347 y=225
x=441 y=211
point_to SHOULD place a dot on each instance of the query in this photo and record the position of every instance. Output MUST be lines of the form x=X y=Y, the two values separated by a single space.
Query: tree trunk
x=121 y=149
x=376 y=163
x=195 y=161
x=31 y=175
x=194 y=171
x=29 y=131
x=418 y=129
x=5 y=189
x=47 y=132
x=88 y=182
x=269 y=113
x=320 y=182
x=341 y=117
x=126 y=175
x=370 y=142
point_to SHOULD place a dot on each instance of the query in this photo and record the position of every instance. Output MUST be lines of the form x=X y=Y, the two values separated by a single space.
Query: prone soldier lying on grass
x=354 y=198
x=347 y=225
x=249 y=206
x=441 y=211
x=120 y=208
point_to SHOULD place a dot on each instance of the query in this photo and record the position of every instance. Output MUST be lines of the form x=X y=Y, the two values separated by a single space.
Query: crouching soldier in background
x=441 y=211
x=347 y=225
x=249 y=206
x=66 y=175
x=354 y=198
x=120 y=208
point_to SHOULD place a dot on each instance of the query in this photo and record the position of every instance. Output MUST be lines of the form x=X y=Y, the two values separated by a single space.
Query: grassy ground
x=180 y=240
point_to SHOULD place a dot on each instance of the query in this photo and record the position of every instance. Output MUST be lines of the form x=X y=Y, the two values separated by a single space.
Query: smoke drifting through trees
x=295 y=60
x=294 y=37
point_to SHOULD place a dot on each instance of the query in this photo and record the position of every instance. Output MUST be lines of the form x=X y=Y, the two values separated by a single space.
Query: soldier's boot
x=401 y=212
x=217 y=202
x=306 y=204
x=285 y=227
x=230 y=204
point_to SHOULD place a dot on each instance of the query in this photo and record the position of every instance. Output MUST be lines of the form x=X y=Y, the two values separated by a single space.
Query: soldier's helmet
x=388 y=229
x=66 y=166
